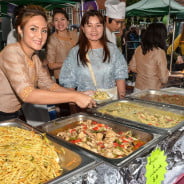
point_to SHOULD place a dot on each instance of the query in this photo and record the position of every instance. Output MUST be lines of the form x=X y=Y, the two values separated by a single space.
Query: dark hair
x=109 y=19
x=154 y=37
x=26 y=13
x=83 y=42
x=16 y=11
x=60 y=10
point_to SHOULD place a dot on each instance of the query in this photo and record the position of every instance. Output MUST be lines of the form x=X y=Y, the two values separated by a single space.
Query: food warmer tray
x=80 y=163
x=174 y=90
x=148 y=136
x=153 y=97
x=170 y=130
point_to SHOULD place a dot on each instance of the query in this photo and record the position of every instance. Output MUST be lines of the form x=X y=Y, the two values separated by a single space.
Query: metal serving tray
x=72 y=162
x=174 y=90
x=165 y=109
x=70 y=122
x=153 y=96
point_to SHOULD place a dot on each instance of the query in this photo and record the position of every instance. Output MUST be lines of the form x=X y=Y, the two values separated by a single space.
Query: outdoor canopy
x=145 y=8
x=48 y=4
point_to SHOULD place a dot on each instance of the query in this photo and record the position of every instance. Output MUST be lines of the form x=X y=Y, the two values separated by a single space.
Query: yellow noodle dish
x=142 y=114
x=26 y=157
x=102 y=96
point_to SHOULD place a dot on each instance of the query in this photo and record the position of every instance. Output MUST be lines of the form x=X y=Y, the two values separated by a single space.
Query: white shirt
x=111 y=36
x=11 y=37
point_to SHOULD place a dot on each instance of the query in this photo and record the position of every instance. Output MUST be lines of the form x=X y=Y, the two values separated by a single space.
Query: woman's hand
x=179 y=60
x=122 y=94
x=84 y=101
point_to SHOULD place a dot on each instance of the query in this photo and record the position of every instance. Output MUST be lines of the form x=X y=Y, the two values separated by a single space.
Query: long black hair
x=154 y=37
x=84 y=44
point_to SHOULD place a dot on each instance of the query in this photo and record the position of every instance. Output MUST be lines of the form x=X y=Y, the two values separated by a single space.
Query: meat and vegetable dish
x=101 y=139
x=142 y=114
x=27 y=157
x=164 y=98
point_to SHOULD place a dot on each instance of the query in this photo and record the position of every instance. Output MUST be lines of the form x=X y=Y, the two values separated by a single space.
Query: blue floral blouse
x=77 y=76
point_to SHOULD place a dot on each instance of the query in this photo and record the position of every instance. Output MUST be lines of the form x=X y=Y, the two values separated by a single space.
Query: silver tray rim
x=158 y=130
x=137 y=96
x=86 y=162
x=117 y=163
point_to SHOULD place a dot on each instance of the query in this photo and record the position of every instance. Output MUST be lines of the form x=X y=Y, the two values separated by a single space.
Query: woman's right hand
x=84 y=101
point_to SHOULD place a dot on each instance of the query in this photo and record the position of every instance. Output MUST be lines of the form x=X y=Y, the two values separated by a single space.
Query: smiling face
x=60 y=22
x=93 y=30
x=33 y=34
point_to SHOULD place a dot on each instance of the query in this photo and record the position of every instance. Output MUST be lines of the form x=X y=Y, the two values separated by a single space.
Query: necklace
x=29 y=57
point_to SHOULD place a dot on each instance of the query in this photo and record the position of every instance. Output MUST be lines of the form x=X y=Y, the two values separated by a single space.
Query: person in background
x=94 y=63
x=60 y=42
x=149 y=61
x=23 y=77
x=178 y=51
x=58 y=47
x=115 y=15
x=123 y=41
x=132 y=38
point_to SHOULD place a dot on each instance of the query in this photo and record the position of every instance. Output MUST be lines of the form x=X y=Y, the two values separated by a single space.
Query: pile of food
x=165 y=98
x=101 y=139
x=142 y=114
x=26 y=157
x=101 y=95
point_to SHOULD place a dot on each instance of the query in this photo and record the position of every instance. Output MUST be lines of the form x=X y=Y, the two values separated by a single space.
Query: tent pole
x=172 y=46
x=169 y=14
x=82 y=7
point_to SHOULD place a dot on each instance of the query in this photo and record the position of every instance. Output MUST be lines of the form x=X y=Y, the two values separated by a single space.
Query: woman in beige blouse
x=22 y=75
x=60 y=42
x=149 y=61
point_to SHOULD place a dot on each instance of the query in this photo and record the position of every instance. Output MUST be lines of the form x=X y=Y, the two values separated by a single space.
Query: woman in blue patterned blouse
x=107 y=62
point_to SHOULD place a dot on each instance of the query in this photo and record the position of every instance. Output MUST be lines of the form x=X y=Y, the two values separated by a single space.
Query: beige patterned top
x=57 y=50
x=19 y=76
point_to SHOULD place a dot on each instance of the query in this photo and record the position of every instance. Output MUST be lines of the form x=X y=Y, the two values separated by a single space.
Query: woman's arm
x=162 y=66
x=132 y=65
x=121 y=87
x=54 y=65
x=62 y=95
x=175 y=45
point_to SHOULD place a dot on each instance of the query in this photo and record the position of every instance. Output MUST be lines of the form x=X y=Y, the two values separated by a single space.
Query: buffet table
x=160 y=160
x=134 y=172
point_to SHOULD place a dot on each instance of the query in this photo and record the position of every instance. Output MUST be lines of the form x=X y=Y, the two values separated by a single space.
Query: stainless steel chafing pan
x=114 y=111
x=148 y=137
x=173 y=99
x=70 y=160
